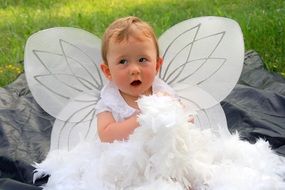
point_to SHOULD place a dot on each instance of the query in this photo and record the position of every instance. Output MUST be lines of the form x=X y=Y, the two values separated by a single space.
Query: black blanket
x=255 y=109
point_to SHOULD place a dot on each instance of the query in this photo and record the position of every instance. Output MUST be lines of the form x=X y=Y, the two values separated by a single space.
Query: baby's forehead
x=131 y=33
x=129 y=38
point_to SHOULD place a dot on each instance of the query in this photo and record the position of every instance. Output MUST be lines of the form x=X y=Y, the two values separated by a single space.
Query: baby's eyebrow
x=121 y=57
x=143 y=56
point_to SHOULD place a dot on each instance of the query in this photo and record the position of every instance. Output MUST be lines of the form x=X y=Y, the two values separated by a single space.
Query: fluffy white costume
x=165 y=152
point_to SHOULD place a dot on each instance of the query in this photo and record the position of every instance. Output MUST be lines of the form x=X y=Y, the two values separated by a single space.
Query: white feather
x=165 y=152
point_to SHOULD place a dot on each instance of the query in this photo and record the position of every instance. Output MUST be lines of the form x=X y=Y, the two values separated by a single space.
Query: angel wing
x=61 y=66
x=199 y=54
x=61 y=63
x=203 y=59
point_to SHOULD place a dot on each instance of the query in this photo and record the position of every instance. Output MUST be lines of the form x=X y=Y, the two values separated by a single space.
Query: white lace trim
x=112 y=101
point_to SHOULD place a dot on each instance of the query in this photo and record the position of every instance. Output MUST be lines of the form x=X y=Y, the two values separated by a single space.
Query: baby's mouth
x=136 y=83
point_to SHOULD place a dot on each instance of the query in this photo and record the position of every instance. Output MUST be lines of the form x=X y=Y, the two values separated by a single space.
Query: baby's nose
x=134 y=70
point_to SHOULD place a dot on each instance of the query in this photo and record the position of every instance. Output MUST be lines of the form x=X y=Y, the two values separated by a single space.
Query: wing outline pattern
x=196 y=52
x=179 y=43
x=63 y=68
x=222 y=41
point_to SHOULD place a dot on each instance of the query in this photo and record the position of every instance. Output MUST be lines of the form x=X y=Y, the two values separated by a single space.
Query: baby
x=131 y=62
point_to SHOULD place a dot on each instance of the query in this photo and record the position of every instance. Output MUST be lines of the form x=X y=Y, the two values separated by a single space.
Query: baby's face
x=133 y=65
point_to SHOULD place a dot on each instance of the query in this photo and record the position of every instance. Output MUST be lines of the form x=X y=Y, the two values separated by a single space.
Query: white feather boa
x=165 y=152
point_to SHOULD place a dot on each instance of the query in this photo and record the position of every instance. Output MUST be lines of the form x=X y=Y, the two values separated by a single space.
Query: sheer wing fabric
x=203 y=60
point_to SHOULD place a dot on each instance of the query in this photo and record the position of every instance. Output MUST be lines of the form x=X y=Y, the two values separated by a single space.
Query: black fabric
x=10 y=184
x=24 y=136
x=255 y=108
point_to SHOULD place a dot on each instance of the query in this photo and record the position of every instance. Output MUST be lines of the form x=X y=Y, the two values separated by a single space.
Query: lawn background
x=262 y=23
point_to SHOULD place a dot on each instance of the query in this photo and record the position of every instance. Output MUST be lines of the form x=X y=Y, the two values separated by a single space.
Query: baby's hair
x=122 y=28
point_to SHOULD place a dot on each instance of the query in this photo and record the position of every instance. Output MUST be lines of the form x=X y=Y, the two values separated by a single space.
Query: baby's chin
x=136 y=91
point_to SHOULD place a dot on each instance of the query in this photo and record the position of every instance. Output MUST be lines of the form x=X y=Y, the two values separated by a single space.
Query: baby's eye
x=123 y=61
x=142 y=60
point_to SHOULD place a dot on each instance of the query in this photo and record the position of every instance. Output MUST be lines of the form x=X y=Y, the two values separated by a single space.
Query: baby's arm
x=110 y=130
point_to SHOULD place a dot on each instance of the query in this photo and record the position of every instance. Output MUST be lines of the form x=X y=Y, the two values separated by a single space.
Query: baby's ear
x=106 y=71
x=159 y=63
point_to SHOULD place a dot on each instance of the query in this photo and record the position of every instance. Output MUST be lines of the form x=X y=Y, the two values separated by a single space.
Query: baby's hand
x=191 y=119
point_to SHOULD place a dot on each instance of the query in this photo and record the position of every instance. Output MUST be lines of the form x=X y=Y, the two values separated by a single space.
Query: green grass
x=262 y=23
